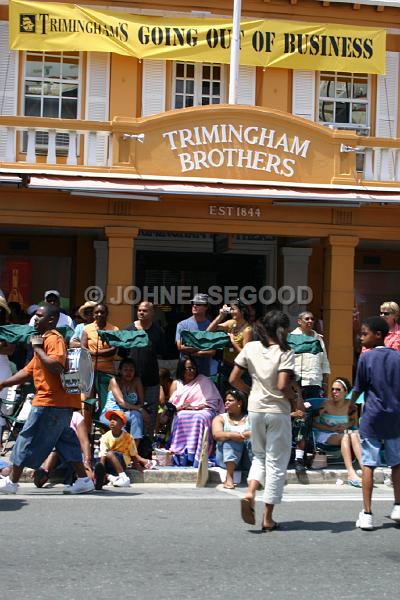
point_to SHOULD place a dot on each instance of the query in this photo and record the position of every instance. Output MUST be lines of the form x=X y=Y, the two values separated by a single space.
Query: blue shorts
x=371 y=452
x=47 y=428
x=110 y=467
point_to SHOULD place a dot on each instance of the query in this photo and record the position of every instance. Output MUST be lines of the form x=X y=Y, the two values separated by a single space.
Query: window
x=344 y=104
x=344 y=100
x=197 y=84
x=51 y=89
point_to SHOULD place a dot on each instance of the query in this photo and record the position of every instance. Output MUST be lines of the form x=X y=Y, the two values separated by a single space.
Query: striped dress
x=189 y=425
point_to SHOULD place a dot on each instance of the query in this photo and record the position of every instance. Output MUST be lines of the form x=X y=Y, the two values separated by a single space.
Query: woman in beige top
x=270 y=363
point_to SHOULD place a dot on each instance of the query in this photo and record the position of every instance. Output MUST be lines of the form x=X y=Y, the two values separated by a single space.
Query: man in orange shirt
x=48 y=424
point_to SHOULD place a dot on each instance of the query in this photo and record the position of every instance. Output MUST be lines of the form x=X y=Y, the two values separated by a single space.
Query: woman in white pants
x=270 y=363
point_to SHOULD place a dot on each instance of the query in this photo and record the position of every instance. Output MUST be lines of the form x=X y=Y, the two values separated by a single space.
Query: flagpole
x=235 y=53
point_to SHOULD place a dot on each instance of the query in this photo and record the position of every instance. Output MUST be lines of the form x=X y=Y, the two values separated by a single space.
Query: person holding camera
x=237 y=326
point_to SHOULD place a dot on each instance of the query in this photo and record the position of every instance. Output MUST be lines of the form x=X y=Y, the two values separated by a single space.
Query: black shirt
x=146 y=358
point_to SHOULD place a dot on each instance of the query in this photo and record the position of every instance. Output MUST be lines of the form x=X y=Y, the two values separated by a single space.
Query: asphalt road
x=162 y=542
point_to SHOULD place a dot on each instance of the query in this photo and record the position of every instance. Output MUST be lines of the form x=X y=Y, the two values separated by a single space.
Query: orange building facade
x=118 y=172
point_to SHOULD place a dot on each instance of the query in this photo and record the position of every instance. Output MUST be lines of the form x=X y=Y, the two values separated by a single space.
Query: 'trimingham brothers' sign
x=225 y=146
x=47 y=26
x=232 y=143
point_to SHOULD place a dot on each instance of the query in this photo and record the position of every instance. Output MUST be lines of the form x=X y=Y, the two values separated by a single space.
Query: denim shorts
x=371 y=455
x=110 y=467
x=47 y=428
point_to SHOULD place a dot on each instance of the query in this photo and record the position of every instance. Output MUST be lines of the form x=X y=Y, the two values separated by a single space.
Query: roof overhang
x=130 y=189
x=387 y=3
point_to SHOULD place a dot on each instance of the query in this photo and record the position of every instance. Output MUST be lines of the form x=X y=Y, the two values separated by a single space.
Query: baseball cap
x=119 y=414
x=31 y=310
x=200 y=299
x=51 y=293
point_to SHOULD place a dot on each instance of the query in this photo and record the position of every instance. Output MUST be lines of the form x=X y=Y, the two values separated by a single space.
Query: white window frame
x=42 y=147
x=363 y=129
x=198 y=80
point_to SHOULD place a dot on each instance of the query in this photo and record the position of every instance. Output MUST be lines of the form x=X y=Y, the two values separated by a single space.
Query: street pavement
x=178 y=542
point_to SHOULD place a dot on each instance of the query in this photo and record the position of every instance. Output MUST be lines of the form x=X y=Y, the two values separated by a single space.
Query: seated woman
x=336 y=424
x=232 y=433
x=125 y=392
x=197 y=402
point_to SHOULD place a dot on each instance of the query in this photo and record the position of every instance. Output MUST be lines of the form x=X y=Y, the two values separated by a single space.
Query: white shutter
x=97 y=102
x=153 y=87
x=303 y=94
x=247 y=85
x=387 y=95
x=8 y=84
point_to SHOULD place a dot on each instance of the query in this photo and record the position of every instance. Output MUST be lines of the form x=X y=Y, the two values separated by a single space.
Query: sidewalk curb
x=170 y=475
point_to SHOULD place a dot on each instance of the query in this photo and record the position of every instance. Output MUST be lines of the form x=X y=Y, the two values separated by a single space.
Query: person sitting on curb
x=117 y=450
x=337 y=424
x=232 y=432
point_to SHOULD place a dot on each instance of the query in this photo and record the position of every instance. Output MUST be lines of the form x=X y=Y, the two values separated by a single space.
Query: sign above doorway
x=230 y=143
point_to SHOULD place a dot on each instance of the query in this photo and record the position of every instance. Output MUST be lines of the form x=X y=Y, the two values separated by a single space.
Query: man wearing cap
x=53 y=297
x=197 y=322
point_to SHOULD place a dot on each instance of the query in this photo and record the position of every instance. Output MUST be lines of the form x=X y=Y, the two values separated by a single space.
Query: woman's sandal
x=247 y=511
x=354 y=483
x=269 y=529
x=229 y=486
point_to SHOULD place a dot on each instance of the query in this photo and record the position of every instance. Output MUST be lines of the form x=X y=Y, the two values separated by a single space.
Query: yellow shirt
x=105 y=364
x=229 y=354
x=123 y=443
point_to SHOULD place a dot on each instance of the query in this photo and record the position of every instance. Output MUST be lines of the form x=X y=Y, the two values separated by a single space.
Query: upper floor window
x=197 y=84
x=344 y=100
x=51 y=85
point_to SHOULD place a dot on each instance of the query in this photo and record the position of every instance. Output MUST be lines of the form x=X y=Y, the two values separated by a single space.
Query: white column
x=295 y=276
x=101 y=249
x=235 y=53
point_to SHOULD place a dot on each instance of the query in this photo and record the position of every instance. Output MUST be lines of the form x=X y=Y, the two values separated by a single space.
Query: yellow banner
x=48 y=26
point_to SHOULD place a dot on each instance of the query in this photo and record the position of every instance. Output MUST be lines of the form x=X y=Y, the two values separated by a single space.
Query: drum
x=78 y=375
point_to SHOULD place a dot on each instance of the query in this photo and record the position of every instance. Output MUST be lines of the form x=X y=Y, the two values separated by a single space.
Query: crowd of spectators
x=209 y=389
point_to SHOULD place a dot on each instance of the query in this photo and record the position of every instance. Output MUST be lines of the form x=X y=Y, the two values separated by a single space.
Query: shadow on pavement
x=285 y=526
x=338 y=527
x=9 y=504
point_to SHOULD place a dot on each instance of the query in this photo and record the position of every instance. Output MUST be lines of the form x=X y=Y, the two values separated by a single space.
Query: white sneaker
x=395 y=515
x=122 y=481
x=81 y=486
x=112 y=478
x=7 y=486
x=365 y=521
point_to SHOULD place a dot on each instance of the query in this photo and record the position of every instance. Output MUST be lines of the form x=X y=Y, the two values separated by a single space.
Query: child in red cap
x=117 y=449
